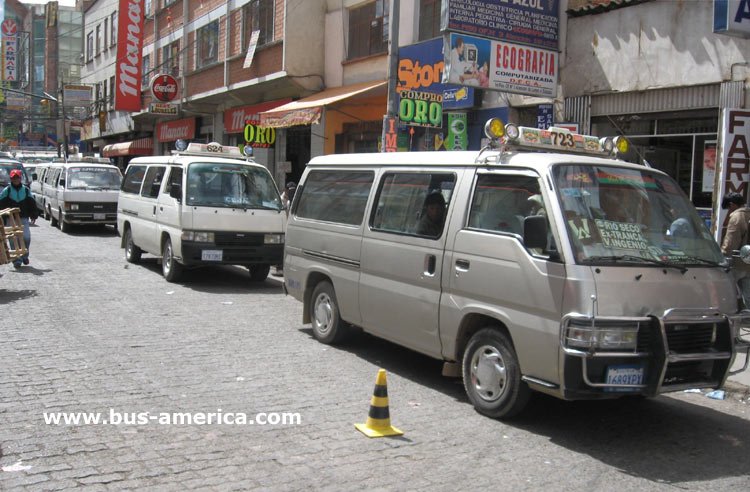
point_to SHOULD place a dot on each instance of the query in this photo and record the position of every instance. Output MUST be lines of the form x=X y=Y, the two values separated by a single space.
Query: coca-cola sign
x=129 y=55
x=164 y=88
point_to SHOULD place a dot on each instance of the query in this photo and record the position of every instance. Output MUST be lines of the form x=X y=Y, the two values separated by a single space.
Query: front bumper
x=244 y=255
x=89 y=218
x=683 y=349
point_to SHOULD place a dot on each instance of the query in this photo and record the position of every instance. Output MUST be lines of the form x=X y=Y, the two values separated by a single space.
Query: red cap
x=15 y=173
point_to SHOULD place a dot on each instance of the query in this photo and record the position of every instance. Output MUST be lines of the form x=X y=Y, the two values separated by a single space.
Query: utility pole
x=390 y=120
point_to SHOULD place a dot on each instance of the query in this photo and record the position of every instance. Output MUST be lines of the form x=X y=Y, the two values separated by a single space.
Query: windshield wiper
x=683 y=260
x=634 y=259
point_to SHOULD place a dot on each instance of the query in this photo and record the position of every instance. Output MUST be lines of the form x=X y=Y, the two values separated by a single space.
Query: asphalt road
x=83 y=331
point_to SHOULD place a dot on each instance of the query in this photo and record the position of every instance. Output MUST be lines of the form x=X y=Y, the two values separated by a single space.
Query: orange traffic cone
x=378 y=419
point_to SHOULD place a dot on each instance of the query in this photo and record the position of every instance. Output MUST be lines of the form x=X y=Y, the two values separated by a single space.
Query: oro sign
x=164 y=88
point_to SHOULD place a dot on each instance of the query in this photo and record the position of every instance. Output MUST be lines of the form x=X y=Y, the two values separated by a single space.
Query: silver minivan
x=539 y=263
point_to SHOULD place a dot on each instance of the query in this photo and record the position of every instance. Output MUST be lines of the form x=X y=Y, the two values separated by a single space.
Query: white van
x=550 y=270
x=205 y=206
x=82 y=192
x=37 y=185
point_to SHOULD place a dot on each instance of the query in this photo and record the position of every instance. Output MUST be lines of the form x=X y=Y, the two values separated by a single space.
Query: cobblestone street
x=84 y=331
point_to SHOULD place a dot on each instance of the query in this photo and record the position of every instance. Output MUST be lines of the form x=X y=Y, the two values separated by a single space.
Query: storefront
x=168 y=132
x=120 y=153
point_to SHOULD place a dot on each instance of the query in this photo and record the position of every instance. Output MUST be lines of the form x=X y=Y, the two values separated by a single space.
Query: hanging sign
x=733 y=165
x=129 y=55
x=421 y=109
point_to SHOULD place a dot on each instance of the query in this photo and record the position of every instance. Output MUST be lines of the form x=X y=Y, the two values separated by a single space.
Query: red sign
x=169 y=131
x=129 y=55
x=164 y=87
x=235 y=119
x=9 y=27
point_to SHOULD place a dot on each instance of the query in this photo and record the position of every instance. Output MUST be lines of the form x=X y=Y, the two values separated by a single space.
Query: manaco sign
x=129 y=48
x=164 y=88
x=169 y=131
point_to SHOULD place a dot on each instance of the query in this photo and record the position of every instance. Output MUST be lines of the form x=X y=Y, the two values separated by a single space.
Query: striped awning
x=141 y=146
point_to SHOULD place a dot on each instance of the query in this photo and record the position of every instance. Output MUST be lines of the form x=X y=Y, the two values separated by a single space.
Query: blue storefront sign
x=544 y=116
x=420 y=69
x=531 y=22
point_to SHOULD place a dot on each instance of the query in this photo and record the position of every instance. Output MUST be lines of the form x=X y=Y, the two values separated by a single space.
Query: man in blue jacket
x=16 y=195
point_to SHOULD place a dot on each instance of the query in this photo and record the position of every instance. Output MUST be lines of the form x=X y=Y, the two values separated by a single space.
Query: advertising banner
x=421 y=66
x=709 y=166
x=500 y=66
x=163 y=108
x=9 y=31
x=732 y=17
x=733 y=165
x=129 y=55
x=532 y=22
x=77 y=95
x=235 y=119
x=544 y=116
x=420 y=109
x=169 y=131
x=458 y=138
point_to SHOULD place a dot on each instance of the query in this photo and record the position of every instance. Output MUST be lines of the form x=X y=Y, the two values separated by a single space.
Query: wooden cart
x=12 y=245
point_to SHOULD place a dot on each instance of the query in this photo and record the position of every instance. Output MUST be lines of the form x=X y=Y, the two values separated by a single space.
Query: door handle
x=154 y=209
x=462 y=265
x=429 y=265
x=161 y=209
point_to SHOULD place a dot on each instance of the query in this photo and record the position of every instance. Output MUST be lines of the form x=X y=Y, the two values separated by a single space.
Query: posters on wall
x=709 y=166
x=457 y=132
x=502 y=66
x=733 y=163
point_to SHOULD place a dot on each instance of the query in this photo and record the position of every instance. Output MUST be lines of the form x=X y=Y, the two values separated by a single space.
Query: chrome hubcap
x=488 y=373
x=167 y=260
x=323 y=314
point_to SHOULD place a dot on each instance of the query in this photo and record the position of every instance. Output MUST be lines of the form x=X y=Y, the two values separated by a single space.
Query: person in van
x=736 y=236
x=431 y=222
x=18 y=195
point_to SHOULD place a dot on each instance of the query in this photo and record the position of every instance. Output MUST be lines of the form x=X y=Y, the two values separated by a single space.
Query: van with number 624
x=540 y=263
x=207 y=205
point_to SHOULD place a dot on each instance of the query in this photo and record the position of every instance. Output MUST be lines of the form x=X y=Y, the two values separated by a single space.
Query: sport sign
x=164 y=88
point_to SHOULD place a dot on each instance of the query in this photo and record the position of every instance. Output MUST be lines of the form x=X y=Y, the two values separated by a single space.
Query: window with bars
x=113 y=23
x=90 y=46
x=368 y=29
x=208 y=45
x=258 y=15
x=146 y=69
x=429 y=19
x=170 y=56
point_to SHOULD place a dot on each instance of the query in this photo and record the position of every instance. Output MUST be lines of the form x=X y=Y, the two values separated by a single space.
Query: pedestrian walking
x=17 y=195
x=736 y=236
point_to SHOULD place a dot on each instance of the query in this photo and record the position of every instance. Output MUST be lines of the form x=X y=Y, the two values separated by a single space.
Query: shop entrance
x=297 y=151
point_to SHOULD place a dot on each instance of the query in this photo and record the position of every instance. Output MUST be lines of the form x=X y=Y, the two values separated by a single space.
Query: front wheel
x=492 y=375
x=132 y=252
x=64 y=226
x=327 y=325
x=258 y=273
x=170 y=267
x=52 y=219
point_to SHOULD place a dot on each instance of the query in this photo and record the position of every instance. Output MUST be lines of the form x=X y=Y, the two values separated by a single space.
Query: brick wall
x=169 y=19
x=201 y=7
x=205 y=80
x=266 y=61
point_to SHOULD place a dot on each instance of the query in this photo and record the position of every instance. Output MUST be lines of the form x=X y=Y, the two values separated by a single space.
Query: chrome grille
x=238 y=239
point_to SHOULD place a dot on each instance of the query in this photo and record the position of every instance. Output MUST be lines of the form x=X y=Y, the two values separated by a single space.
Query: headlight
x=198 y=237
x=273 y=239
x=605 y=336
x=70 y=206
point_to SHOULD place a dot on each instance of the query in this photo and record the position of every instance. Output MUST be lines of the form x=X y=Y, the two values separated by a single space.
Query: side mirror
x=745 y=253
x=61 y=183
x=535 y=231
x=175 y=191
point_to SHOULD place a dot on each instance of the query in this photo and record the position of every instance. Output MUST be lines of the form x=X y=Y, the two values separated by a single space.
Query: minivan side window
x=501 y=202
x=413 y=203
x=175 y=177
x=152 y=181
x=131 y=183
x=335 y=196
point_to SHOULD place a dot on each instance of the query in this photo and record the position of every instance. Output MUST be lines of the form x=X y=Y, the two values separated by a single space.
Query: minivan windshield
x=93 y=178
x=232 y=186
x=621 y=216
x=5 y=168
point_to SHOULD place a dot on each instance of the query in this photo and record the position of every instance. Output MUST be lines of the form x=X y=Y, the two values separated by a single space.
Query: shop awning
x=308 y=110
x=141 y=146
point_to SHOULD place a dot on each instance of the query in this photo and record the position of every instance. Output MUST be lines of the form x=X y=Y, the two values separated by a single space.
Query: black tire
x=170 y=267
x=132 y=252
x=258 y=273
x=327 y=325
x=492 y=375
x=64 y=226
x=46 y=214
x=52 y=219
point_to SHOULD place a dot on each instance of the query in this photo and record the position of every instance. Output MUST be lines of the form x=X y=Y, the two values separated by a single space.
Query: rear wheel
x=132 y=252
x=170 y=267
x=52 y=219
x=492 y=375
x=327 y=325
x=258 y=273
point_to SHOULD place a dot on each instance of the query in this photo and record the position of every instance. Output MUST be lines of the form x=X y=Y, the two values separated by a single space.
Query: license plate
x=100 y=216
x=211 y=255
x=624 y=374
